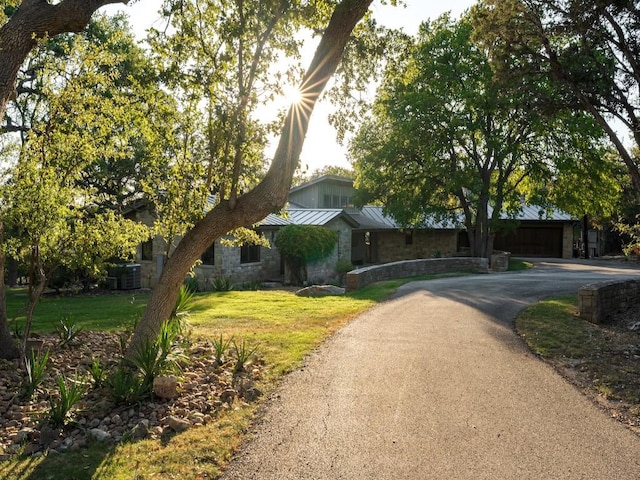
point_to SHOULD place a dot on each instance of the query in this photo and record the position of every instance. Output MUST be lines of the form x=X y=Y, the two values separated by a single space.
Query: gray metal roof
x=372 y=217
x=536 y=212
x=274 y=220
x=316 y=216
x=377 y=216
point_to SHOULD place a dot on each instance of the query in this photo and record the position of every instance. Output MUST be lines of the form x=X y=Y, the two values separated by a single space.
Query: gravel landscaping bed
x=204 y=388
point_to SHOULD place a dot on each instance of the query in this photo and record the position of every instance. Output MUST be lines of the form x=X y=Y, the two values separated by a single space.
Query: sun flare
x=293 y=94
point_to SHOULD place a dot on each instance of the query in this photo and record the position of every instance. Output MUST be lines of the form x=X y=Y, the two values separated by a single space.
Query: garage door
x=532 y=241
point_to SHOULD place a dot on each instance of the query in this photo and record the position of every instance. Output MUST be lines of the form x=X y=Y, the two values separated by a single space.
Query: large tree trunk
x=270 y=194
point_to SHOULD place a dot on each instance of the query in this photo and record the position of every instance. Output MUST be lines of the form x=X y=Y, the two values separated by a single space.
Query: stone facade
x=362 y=277
x=600 y=301
x=395 y=245
x=228 y=265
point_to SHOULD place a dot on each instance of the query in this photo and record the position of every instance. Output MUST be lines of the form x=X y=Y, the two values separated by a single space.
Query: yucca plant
x=220 y=347
x=243 y=354
x=67 y=330
x=35 y=365
x=161 y=355
x=70 y=395
x=126 y=387
x=97 y=372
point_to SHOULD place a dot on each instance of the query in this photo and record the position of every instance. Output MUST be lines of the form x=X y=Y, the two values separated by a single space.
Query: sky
x=321 y=147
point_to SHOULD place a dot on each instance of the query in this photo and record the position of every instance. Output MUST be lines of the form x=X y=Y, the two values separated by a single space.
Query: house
x=365 y=236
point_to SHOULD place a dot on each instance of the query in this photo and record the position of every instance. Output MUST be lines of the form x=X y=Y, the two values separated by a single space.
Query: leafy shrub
x=70 y=395
x=35 y=365
x=67 y=330
x=343 y=266
x=304 y=244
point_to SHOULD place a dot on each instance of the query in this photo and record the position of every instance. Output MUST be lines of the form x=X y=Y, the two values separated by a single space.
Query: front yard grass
x=601 y=360
x=284 y=327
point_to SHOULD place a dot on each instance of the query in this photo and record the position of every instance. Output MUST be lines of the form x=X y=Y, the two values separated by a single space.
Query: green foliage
x=220 y=348
x=191 y=283
x=70 y=394
x=67 y=329
x=309 y=243
x=184 y=303
x=97 y=372
x=343 y=266
x=588 y=50
x=446 y=142
x=126 y=387
x=159 y=356
x=83 y=113
x=221 y=284
x=243 y=355
x=304 y=244
x=35 y=365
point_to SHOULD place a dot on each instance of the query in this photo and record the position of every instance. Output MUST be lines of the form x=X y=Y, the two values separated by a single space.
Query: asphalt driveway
x=434 y=384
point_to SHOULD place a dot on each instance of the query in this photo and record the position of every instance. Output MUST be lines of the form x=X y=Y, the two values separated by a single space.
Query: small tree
x=301 y=245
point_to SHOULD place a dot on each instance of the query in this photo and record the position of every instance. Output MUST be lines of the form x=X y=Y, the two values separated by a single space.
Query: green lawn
x=108 y=312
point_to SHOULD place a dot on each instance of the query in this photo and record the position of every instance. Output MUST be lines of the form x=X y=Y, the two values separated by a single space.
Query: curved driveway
x=434 y=384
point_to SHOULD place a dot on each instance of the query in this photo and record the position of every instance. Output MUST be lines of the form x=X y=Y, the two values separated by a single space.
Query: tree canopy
x=447 y=142
x=590 y=50
x=227 y=60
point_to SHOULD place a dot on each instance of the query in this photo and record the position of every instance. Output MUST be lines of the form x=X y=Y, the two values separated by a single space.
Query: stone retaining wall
x=408 y=268
x=599 y=301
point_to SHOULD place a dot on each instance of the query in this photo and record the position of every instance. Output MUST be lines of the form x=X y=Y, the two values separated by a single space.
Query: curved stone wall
x=361 y=277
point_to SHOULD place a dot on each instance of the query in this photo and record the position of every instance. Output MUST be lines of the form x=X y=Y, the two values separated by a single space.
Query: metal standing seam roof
x=375 y=214
x=313 y=216
x=274 y=220
x=372 y=218
x=536 y=212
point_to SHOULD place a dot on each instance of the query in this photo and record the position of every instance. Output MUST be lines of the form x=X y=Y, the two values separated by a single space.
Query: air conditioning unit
x=127 y=277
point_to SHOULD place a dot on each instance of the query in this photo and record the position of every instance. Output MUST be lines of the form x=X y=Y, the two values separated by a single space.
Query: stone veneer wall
x=391 y=246
x=599 y=301
x=364 y=276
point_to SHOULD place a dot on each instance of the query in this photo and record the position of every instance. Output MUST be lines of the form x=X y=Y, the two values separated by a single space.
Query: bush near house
x=304 y=244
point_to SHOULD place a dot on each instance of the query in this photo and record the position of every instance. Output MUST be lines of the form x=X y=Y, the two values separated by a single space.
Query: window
x=250 y=254
x=146 y=250
x=209 y=257
x=327 y=201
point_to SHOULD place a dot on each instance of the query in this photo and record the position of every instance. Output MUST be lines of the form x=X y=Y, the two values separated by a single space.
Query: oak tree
x=445 y=142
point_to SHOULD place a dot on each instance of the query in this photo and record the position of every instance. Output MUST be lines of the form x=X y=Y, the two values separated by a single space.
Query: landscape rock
x=178 y=425
x=320 y=291
x=165 y=387
x=99 y=434
x=99 y=416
